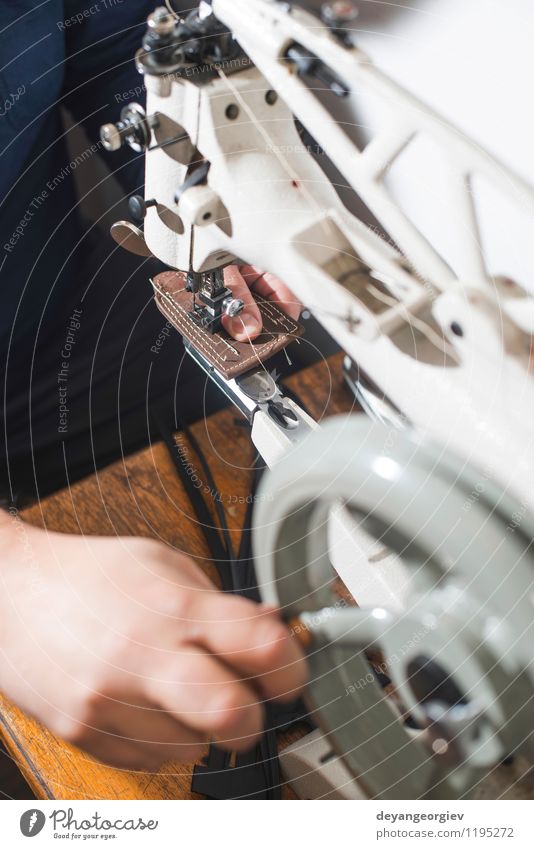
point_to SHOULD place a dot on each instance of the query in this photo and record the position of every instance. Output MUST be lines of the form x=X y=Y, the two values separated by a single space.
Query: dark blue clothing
x=49 y=58
x=85 y=356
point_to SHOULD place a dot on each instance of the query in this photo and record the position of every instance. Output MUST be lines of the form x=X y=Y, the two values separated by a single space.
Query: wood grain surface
x=141 y=495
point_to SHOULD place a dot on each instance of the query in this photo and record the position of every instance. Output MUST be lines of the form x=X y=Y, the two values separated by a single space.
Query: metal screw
x=440 y=746
x=339 y=13
x=232 y=112
x=233 y=306
x=161 y=22
x=133 y=128
x=111 y=137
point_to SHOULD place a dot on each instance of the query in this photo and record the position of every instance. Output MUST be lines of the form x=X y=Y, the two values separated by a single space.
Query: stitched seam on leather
x=177 y=306
x=176 y=310
x=276 y=315
x=275 y=312
x=279 y=318
x=164 y=293
x=173 y=308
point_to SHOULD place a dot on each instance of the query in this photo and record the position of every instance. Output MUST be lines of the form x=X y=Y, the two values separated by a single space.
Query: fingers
x=117 y=754
x=156 y=736
x=272 y=288
x=247 y=325
x=126 y=751
x=203 y=694
x=252 y=641
x=132 y=735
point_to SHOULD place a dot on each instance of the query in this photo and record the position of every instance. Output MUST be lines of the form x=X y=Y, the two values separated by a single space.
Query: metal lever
x=130 y=237
x=138 y=206
x=282 y=414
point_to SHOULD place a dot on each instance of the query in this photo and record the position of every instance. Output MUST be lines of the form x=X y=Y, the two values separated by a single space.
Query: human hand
x=126 y=649
x=241 y=280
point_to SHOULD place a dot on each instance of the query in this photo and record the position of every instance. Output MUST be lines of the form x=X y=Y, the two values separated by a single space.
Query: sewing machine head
x=229 y=177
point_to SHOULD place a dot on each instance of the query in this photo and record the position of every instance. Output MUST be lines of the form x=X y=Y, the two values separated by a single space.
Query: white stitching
x=175 y=310
x=279 y=317
x=266 y=307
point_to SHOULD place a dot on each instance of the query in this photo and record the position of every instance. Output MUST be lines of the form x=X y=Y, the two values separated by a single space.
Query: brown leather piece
x=228 y=357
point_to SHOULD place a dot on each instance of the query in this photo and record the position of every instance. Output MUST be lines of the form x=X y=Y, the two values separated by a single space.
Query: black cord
x=216 y=496
x=256 y=774
x=245 y=576
x=211 y=535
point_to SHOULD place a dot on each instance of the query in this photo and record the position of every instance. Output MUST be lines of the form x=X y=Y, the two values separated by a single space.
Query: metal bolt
x=440 y=746
x=110 y=137
x=133 y=128
x=232 y=112
x=161 y=22
x=233 y=306
x=339 y=13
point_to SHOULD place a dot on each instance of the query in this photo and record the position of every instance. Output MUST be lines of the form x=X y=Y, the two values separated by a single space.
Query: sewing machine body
x=449 y=350
x=267 y=201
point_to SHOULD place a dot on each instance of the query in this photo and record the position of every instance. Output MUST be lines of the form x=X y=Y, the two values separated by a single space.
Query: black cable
x=245 y=572
x=213 y=540
x=216 y=496
x=256 y=774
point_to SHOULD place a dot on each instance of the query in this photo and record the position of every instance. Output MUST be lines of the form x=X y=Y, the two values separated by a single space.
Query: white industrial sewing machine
x=424 y=509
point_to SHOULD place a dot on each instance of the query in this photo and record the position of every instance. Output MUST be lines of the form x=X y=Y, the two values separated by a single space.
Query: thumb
x=247 y=325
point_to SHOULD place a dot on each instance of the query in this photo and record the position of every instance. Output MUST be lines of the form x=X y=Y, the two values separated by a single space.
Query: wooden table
x=142 y=496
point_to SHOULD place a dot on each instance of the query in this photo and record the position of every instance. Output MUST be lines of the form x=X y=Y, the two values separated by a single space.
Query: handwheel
x=458 y=653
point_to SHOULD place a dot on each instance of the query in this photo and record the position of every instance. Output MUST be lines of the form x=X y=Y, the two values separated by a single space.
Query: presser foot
x=188 y=314
x=208 y=310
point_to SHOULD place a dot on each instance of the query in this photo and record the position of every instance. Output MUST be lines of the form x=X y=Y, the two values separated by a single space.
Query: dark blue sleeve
x=73 y=53
x=100 y=74
x=32 y=54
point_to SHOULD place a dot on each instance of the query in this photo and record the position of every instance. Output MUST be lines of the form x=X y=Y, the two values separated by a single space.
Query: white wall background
x=472 y=61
